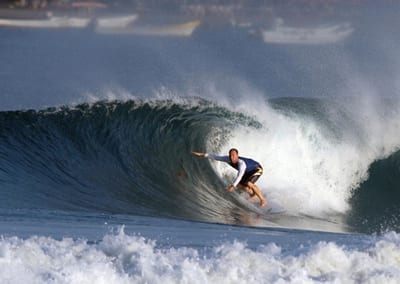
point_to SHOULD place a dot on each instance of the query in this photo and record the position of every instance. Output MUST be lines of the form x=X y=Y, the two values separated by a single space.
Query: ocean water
x=97 y=180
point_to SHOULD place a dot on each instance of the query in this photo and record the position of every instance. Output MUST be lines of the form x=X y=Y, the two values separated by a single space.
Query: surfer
x=248 y=173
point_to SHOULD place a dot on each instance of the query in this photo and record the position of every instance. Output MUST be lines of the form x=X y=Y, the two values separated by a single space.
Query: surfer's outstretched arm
x=212 y=156
x=199 y=154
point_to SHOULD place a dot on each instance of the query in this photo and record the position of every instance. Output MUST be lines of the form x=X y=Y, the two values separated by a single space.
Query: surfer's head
x=234 y=155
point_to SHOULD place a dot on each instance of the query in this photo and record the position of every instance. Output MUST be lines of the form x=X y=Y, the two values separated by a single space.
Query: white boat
x=313 y=36
x=51 y=22
x=116 y=22
x=175 y=30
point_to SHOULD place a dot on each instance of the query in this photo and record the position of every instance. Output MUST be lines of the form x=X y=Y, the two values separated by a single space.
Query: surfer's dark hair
x=233 y=149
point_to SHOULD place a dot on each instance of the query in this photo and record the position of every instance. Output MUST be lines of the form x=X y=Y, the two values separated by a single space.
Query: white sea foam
x=120 y=258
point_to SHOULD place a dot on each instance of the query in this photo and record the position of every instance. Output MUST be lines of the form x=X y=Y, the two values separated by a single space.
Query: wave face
x=376 y=202
x=119 y=157
x=322 y=159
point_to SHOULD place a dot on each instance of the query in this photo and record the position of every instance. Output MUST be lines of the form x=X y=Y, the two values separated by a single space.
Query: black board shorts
x=251 y=176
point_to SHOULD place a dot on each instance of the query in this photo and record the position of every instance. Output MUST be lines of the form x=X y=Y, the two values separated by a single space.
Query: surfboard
x=271 y=207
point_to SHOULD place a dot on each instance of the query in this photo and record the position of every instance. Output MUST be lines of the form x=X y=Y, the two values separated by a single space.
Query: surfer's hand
x=231 y=188
x=199 y=154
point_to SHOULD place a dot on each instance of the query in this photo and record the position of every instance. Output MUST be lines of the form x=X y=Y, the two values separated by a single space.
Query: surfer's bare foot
x=263 y=202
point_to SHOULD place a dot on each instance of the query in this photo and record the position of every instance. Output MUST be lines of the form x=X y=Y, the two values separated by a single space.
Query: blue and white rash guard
x=244 y=165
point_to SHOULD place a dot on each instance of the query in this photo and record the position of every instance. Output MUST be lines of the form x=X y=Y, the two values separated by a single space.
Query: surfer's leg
x=244 y=188
x=257 y=191
x=247 y=189
x=252 y=194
